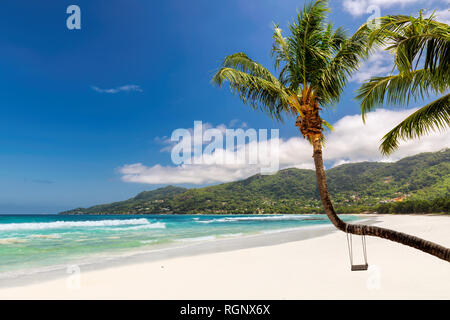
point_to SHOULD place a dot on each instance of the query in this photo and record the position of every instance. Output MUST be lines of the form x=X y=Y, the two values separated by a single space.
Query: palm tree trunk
x=359 y=229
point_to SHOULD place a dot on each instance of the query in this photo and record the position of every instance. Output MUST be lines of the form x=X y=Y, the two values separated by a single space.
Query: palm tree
x=422 y=67
x=314 y=63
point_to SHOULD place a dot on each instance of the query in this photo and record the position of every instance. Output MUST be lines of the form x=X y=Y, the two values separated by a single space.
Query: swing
x=356 y=267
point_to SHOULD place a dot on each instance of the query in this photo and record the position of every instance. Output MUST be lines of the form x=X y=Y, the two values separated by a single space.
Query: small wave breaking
x=154 y=225
x=71 y=224
x=256 y=218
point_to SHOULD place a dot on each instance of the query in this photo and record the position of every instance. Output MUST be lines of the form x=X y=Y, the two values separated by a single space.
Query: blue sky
x=66 y=128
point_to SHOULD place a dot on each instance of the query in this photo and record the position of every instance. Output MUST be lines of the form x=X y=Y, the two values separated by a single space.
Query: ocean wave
x=70 y=224
x=148 y=241
x=154 y=225
x=256 y=218
x=46 y=236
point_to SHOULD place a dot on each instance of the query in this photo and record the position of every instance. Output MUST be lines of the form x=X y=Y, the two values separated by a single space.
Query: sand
x=315 y=268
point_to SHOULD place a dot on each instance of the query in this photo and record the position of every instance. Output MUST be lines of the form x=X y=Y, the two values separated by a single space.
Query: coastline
x=217 y=245
x=283 y=265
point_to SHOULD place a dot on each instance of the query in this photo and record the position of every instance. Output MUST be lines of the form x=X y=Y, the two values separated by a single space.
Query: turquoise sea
x=32 y=243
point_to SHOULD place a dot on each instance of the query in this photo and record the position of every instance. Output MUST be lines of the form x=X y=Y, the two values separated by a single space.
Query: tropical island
x=416 y=184
x=253 y=238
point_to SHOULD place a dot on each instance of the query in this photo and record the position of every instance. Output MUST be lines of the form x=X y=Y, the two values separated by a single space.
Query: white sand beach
x=316 y=268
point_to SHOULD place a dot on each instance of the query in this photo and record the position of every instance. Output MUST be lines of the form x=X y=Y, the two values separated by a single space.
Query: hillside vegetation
x=420 y=183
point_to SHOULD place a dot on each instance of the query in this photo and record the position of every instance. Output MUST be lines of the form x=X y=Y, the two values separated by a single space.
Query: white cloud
x=380 y=63
x=235 y=123
x=354 y=142
x=125 y=88
x=351 y=141
x=441 y=15
x=359 y=7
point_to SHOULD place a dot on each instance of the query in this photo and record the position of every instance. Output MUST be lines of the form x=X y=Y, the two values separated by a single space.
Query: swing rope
x=350 y=250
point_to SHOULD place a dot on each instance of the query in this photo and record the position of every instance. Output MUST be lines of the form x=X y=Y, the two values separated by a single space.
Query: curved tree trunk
x=359 y=229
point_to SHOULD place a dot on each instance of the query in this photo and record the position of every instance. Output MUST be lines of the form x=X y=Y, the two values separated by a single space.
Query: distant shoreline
x=405 y=186
x=256 y=214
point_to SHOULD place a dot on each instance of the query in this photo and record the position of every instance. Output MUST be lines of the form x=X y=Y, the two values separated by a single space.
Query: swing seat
x=360 y=267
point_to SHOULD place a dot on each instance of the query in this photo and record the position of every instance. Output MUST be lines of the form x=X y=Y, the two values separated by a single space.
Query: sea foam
x=256 y=218
x=70 y=224
x=154 y=225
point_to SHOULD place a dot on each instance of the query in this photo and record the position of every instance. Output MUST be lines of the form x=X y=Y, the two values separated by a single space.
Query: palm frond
x=398 y=89
x=345 y=62
x=280 y=48
x=327 y=125
x=257 y=92
x=313 y=63
x=308 y=34
x=434 y=116
x=240 y=61
x=410 y=37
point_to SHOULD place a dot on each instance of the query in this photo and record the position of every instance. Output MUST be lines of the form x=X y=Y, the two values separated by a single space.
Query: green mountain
x=419 y=183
